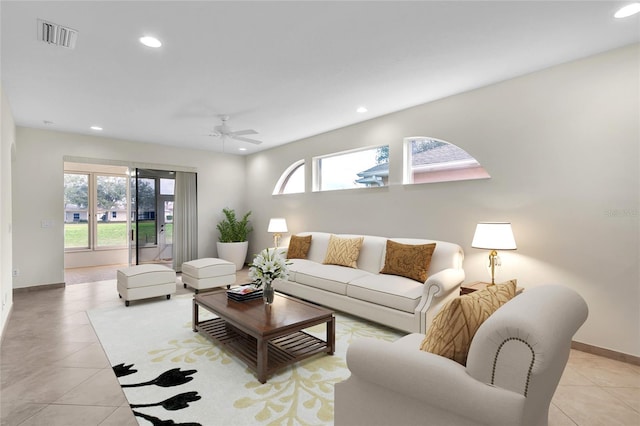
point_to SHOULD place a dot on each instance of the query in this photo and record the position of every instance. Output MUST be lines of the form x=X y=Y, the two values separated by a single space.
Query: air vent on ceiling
x=58 y=35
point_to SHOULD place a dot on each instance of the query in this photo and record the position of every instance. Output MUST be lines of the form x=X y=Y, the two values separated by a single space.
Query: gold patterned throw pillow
x=408 y=260
x=299 y=247
x=453 y=328
x=343 y=251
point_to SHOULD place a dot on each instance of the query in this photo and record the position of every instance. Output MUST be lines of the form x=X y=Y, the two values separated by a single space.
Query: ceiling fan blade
x=244 y=132
x=253 y=141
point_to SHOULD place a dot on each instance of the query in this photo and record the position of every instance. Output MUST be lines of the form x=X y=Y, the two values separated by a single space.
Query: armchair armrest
x=402 y=368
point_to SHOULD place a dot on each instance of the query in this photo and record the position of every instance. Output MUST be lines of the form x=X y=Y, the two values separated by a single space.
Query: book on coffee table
x=244 y=292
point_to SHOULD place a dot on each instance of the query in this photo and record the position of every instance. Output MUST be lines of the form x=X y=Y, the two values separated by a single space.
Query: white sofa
x=392 y=300
x=514 y=364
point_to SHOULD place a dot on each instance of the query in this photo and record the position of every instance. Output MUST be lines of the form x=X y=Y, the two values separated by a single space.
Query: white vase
x=233 y=252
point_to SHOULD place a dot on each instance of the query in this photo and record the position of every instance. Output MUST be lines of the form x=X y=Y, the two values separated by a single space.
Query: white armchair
x=514 y=365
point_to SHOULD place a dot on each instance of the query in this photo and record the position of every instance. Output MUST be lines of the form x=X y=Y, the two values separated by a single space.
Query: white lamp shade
x=494 y=236
x=277 y=224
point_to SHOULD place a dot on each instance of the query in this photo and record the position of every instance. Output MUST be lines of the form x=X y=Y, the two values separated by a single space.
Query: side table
x=480 y=285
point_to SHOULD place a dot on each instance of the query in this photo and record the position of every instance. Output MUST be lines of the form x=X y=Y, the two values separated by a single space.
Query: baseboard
x=38 y=287
x=606 y=353
x=4 y=326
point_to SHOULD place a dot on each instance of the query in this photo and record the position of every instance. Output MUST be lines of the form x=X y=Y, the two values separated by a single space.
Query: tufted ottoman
x=143 y=281
x=208 y=272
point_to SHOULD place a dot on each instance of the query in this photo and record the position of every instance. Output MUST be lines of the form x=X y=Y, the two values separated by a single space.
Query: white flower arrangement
x=267 y=266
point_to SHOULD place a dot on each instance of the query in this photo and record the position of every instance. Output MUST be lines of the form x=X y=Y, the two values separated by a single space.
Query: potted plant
x=232 y=243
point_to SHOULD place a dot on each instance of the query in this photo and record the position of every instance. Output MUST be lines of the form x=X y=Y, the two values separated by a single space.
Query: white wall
x=38 y=192
x=562 y=147
x=7 y=138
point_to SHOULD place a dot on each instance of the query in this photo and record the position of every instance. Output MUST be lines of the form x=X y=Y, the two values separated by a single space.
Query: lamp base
x=494 y=261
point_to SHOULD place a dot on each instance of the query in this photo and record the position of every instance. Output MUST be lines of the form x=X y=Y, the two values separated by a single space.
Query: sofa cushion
x=299 y=247
x=372 y=251
x=331 y=278
x=343 y=251
x=453 y=328
x=318 y=248
x=408 y=260
x=391 y=291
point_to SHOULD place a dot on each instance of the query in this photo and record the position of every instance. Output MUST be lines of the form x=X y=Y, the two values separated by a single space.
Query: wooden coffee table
x=265 y=337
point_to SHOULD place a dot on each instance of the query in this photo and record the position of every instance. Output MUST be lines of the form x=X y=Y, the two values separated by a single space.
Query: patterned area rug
x=173 y=376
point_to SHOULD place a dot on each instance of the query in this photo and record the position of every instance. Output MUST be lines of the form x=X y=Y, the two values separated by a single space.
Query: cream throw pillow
x=453 y=328
x=343 y=251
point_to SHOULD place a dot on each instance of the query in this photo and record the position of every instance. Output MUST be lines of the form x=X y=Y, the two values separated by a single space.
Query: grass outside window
x=111 y=234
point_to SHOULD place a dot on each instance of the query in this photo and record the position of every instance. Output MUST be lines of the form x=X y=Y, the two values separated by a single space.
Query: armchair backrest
x=524 y=346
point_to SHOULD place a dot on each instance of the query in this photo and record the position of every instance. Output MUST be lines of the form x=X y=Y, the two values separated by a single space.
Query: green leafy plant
x=233 y=230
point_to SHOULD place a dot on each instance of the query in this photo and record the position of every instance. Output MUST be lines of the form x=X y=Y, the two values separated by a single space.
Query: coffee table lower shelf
x=282 y=351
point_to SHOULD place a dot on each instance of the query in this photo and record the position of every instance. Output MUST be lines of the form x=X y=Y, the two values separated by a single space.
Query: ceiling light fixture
x=150 y=41
x=242 y=149
x=628 y=10
x=362 y=110
x=97 y=128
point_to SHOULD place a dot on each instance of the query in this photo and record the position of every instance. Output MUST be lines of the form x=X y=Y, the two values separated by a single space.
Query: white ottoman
x=143 y=281
x=208 y=272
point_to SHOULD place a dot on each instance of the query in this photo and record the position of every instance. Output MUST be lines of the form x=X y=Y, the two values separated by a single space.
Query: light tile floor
x=53 y=370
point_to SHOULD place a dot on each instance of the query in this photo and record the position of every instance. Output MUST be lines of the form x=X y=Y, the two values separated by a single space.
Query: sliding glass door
x=152 y=198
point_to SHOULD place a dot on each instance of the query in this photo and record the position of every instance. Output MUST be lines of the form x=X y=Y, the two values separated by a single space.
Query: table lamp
x=277 y=225
x=494 y=236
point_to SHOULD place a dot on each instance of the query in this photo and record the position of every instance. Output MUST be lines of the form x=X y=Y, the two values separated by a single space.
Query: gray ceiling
x=289 y=70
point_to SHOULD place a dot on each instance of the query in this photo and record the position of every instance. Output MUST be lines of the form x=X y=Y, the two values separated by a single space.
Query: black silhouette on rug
x=170 y=378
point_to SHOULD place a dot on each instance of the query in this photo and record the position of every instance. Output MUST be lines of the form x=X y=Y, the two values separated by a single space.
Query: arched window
x=292 y=180
x=429 y=160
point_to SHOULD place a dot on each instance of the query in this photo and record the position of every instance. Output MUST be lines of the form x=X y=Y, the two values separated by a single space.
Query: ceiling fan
x=224 y=131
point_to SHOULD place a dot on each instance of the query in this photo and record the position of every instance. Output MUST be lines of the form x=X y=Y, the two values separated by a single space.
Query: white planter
x=233 y=252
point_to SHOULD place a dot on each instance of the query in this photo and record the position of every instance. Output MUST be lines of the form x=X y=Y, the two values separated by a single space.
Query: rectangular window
x=147 y=234
x=76 y=211
x=167 y=186
x=366 y=168
x=111 y=196
x=95 y=208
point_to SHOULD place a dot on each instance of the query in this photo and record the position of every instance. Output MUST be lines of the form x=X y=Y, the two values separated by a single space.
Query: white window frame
x=92 y=218
x=317 y=172
x=281 y=185
x=409 y=170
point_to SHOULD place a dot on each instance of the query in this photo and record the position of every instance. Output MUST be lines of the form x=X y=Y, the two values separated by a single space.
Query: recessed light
x=150 y=41
x=242 y=149
x=362 y=110
x=96 y=128
x=628 y=10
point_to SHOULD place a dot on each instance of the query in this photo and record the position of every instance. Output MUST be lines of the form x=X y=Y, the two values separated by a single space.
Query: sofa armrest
x=401 y=367
x=438 y=290
x=446 y=281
